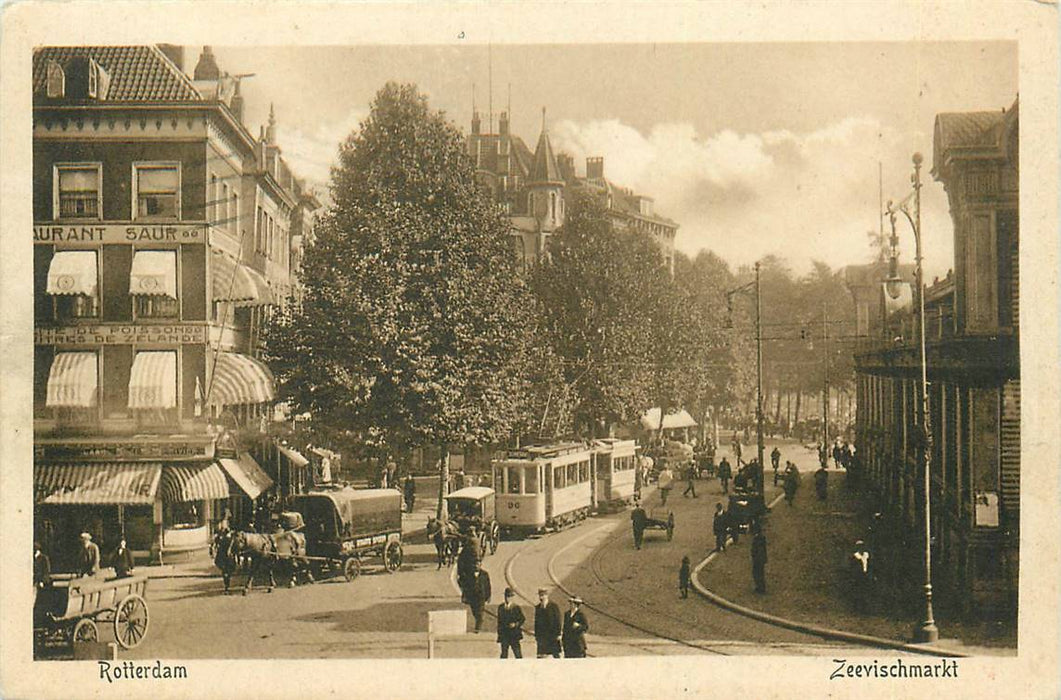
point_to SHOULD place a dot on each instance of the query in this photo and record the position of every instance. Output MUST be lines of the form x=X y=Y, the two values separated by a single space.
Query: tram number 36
x=513 y=504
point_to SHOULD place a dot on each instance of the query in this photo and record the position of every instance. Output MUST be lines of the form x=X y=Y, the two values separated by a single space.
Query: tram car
x=544 y=487
x=614 y=473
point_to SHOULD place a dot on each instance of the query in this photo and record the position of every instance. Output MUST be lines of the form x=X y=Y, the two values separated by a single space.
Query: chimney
x=236 y=104
x=206 y=68
x=566 y=163
x=502 y=124
x=270 y=131
x=595 y=168
x=174 y=53
x=476 y=123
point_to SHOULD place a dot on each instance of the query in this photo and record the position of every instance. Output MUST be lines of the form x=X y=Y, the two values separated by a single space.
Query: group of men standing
x=552 y=632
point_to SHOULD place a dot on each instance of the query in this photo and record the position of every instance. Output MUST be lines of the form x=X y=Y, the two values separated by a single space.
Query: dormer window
x=56 y=80
x=93 y=79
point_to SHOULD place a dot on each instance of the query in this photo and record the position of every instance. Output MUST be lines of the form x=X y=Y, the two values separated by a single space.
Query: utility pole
x=759 y=378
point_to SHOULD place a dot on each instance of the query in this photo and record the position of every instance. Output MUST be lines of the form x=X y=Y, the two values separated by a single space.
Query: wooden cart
x=72 y=608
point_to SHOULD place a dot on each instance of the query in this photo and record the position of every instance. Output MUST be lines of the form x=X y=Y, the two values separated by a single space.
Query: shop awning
x=237 y=283
x=681 y=419
x=73 y=272
x=240 y=379
x=198 y=482
x=153 y=380
x=294 y=456
x=125 y=483
x=247 y=474
x=73 y=381
x=154 y=273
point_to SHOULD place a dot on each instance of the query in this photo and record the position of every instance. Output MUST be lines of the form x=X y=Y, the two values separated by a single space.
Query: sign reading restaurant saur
x=171 y=450
x=169 y=334
x=94 y=234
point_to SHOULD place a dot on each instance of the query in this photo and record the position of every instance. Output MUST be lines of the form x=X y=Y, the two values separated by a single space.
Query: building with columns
x=973 y=361
x=533 y=188
x=164 y=232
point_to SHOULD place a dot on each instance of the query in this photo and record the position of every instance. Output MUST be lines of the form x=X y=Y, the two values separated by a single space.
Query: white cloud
x=801 y=195
x=311 y=154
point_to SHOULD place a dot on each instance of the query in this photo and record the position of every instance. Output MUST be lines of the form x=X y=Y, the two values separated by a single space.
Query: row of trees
x=415 y=328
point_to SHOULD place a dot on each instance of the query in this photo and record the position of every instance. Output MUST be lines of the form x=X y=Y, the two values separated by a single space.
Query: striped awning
x=240 y=379
x=73 y=381
x=154 y=273
x=153 y=380
x=73 y=272
x=247 y=474
x=125 y=483
x=237 y=283
x=198 y=482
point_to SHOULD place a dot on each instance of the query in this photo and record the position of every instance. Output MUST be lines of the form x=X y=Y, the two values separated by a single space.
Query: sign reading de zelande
x=169 y=334
x=94 y=234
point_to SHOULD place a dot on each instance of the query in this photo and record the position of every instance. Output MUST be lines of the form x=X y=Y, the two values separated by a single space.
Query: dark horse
x=225 y=558
x=446 y=537
x=259 y=550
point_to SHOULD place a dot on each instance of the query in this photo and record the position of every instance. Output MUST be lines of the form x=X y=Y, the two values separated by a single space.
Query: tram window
x=559 y=480
x=530 y=476
x=583 y=472
x=499 y=478
x=513 y=480
x=572 y=474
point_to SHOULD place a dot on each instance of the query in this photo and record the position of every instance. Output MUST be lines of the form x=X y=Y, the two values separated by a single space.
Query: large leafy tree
x=410 y=332
x=599 y=292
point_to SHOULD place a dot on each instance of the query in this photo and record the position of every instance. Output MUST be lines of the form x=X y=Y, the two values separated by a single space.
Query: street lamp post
x=926 y=630
x=758 y=369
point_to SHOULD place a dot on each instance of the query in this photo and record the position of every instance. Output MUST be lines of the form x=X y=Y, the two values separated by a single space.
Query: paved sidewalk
x=808 y=546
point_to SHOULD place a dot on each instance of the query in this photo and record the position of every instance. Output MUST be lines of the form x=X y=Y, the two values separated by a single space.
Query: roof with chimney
x=622 y=200
x=137 y=73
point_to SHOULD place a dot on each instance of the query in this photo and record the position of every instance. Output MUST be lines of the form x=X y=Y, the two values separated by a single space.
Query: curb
x=823 y=632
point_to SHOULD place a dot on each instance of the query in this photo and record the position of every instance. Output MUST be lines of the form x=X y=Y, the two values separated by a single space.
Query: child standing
x=684 y=577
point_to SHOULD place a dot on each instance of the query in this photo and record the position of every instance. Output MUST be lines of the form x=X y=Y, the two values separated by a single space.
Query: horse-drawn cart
x=72 y=608
x=474 y=507
x=345 y=526
x=661 y=519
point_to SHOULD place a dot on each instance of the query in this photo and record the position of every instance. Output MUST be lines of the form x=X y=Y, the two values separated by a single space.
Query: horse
x=290 y=550
x=446 y=537
x=260 y=550
x=225 y=559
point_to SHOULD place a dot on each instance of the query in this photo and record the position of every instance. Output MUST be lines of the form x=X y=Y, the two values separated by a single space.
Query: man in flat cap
x=575 y=628
x=510 y=621
x=88 y=559
x=547 y=629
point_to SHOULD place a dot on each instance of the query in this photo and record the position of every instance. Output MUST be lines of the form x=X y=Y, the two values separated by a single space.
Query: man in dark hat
x=720 y=526
x=122 y=560
x=547 y=629
x=639 y=520
x=759 y=559
x=478 y=594
x=574 y=631
x=510 y=621
x=42 y=568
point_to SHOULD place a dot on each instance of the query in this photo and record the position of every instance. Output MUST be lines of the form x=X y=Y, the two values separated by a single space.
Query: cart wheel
x=131 y=621
x=495 y=537
x=392 y=556
x=351 y=568
x=85 y=631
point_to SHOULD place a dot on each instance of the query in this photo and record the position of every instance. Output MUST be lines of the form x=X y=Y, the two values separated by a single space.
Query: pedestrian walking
x=684 y=577
x=409 y=492
x=733 y=523
x=821 y=483
x=775 y=462
x=759 y=559
x=791 y=482
x=574 y=630
x=666 y=483
x=122 y=560
x=88 y=558
x=859 y=575
x=719 y=527
x=478 y=594
x=469 y=558
x=639 y=520
x=725 y=473
x=737 y=449
x=510 y=621
x=548 y=628
x=690 y=473
x=836 y=454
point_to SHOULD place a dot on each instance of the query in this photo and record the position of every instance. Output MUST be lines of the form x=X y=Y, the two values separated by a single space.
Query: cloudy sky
x=751 y=148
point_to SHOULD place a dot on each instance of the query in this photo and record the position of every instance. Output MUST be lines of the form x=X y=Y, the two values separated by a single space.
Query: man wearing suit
x=122 y=561
x=478 y=594
x=575 y=628
x=42 y=568
x=510 y=621
x=547 y=629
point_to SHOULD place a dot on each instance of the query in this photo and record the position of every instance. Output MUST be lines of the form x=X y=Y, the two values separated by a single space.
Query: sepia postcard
x=409 y=349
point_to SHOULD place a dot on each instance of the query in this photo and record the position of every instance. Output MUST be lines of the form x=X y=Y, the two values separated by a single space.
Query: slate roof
x=544 y=168
x=137 y=73
x=969 y=129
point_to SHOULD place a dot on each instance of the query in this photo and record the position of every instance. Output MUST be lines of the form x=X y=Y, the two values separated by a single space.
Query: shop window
x=157 y=191
x=78 y=192
x=181 y=516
